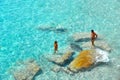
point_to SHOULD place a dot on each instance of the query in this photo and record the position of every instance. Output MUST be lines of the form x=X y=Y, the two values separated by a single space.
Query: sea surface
x=21 y=38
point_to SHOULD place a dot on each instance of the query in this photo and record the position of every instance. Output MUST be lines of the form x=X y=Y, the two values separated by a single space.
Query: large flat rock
x=26 y=71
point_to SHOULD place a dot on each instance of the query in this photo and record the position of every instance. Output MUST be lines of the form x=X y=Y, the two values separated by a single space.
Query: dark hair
x=92 y=30
x=55 y=41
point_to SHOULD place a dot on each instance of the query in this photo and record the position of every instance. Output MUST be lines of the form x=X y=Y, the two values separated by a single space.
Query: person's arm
x=96 y=35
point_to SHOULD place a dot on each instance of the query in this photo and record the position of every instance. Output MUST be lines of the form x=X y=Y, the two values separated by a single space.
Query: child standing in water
x=93 y=37
x=55 y=47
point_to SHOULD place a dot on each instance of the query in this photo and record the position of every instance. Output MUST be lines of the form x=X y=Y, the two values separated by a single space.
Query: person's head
x=55 y=42
x=92 y=30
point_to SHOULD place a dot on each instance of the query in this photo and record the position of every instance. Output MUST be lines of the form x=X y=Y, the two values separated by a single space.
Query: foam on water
x=20 y=39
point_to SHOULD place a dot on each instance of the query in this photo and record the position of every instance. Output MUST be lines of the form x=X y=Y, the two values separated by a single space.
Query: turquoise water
x=20 y=38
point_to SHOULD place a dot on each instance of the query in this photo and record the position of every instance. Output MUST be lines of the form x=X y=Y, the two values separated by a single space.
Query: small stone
x=66 y=70
x=56 y=68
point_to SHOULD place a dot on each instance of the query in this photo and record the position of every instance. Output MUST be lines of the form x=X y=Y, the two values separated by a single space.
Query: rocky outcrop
x=26 y=71
x=84 y=60
x=61 y=59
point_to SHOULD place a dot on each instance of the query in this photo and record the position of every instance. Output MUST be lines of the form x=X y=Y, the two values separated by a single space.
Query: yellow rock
x=84 y=60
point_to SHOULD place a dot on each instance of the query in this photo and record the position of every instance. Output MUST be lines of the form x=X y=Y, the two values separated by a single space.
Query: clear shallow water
x=20 y=39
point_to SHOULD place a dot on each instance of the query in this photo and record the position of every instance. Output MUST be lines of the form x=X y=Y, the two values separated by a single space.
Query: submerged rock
x=84 y=40
x=45 y=28
x=78 y=37
x=66 y=70
x=98 y=44
x=26 y=71
x=75 y=47
x=56 y=68
x=83 y=37
x=60 y=30
x=84 y=60
x=61 y=59
x=67 y=56
x=48 y=28
x=55 y=59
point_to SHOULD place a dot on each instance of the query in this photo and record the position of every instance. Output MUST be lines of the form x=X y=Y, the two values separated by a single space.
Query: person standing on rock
x=55 y=47
x=93 y=37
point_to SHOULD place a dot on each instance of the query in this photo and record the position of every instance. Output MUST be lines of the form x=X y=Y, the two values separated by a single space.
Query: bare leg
x=93 y=43
x=55 y=51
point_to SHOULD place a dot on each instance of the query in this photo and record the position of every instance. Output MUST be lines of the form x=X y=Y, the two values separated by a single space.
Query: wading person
x=55 y=47
x=93 y=37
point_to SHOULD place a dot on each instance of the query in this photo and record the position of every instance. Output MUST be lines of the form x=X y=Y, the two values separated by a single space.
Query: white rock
x=101 y=56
